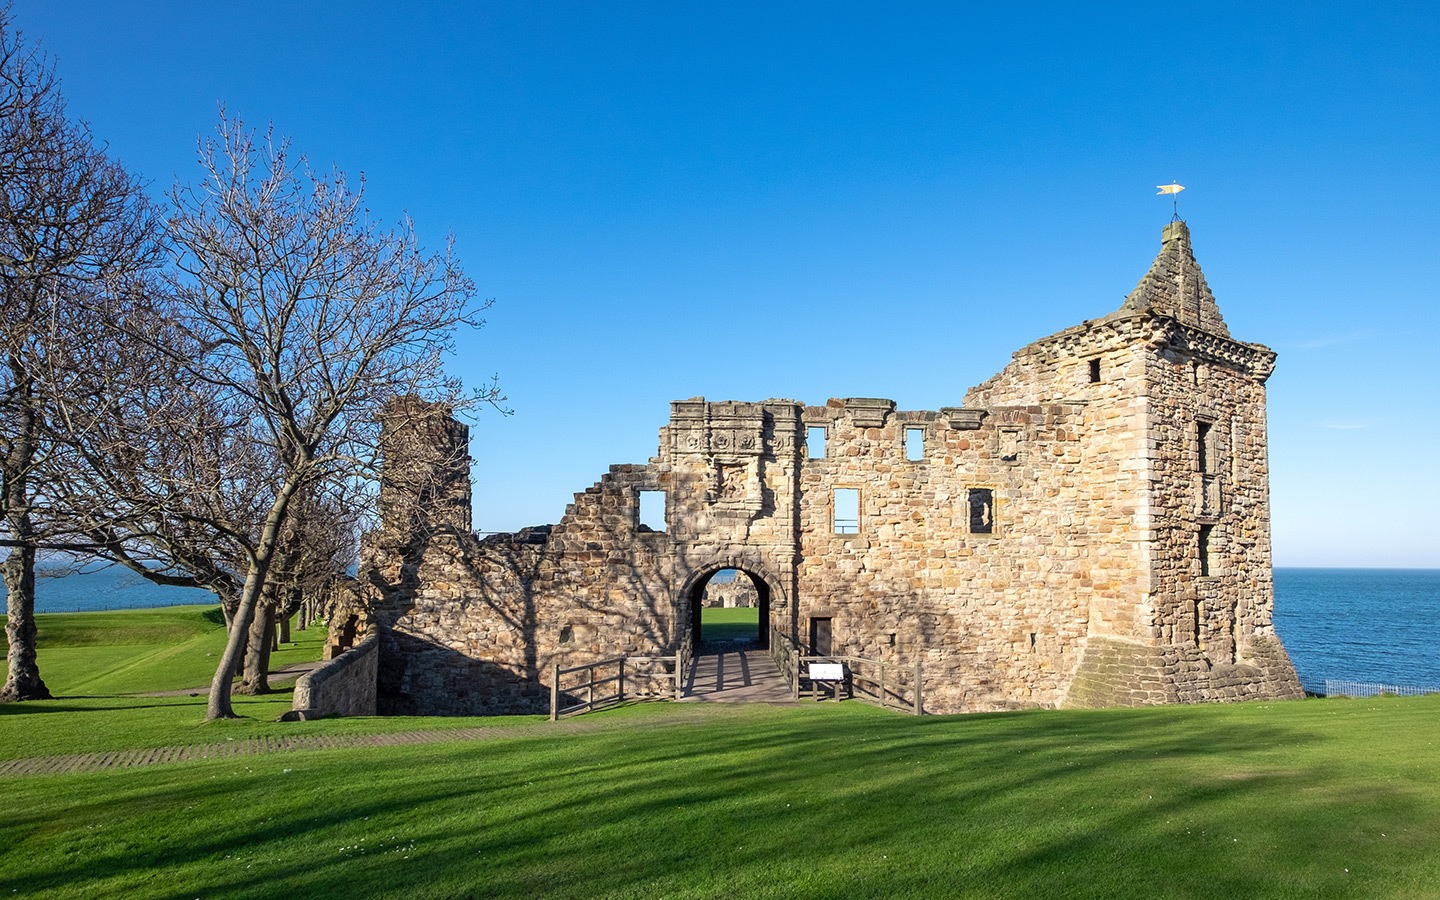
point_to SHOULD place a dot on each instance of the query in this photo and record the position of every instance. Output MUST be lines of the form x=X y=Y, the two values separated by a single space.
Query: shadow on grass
x=1054 y=804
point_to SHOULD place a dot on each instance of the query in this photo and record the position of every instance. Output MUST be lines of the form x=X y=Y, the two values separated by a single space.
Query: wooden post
x=554 y=691
x=882 y=683
x=620 y=682
x=919 y=703
x=590 y=688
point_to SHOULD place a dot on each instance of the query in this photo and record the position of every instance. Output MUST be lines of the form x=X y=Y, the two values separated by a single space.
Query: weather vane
x=1173 y=189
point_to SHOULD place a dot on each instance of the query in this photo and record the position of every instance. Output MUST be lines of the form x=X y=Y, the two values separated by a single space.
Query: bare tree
x=317 y=549
x=71 y=220
x=151 y=469
x=305 y=317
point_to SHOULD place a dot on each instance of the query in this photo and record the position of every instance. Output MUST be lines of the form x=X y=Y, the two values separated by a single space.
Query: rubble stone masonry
x=1089 y=528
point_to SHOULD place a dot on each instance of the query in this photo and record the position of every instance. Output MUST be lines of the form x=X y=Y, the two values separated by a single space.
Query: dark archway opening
x=730 y=610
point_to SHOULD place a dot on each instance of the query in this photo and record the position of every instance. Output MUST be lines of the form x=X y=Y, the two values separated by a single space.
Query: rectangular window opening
x=847 y=510
x=650 y=514
x=1198 y=610
x=1095 y=370
x=982 y=511
x=1205 y=447
x=1204 y=549
x=914 y=444
x=815 y=442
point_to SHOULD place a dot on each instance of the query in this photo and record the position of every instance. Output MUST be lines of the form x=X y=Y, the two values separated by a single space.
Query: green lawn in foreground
x=1320 y=798
x=1316 y=798
x=736 y=623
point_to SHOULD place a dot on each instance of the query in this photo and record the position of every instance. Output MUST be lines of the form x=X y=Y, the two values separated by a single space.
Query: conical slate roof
x=1175 y=286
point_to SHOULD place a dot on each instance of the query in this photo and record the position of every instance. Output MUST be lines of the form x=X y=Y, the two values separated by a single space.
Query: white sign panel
x=827 y=672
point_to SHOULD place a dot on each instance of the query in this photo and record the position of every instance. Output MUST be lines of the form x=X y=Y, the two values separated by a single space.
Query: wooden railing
x=786 y=656
x=599 y=675
x=871 y=680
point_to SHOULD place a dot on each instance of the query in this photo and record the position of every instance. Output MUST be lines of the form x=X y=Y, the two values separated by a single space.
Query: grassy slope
x=95 y=662
x=1327 y=798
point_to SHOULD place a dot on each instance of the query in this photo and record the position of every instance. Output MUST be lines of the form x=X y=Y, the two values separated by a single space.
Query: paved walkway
x=129 y=759
x=278 y=678
x=736 y=676
x=727 y=676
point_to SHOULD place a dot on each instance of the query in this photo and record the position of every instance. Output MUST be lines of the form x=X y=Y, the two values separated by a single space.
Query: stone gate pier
x=1088 y=527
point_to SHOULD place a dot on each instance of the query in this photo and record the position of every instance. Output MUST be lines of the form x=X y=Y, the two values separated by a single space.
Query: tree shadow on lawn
x=1017 y=805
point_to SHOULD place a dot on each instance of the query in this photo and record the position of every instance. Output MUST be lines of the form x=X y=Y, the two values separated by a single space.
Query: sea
x=1363 y=625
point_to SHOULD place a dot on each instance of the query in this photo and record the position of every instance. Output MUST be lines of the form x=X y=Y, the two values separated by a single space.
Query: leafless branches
x=71 y=221
x=299 y=318
x=198 y=399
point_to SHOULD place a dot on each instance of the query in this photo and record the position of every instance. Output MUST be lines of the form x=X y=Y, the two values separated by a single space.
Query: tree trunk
x=240 y=657
x=283 y=634
x=257 y=652
x=22 y=682
x=218 y=706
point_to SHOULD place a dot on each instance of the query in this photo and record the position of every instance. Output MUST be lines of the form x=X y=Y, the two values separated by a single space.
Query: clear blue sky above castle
x=820 y=200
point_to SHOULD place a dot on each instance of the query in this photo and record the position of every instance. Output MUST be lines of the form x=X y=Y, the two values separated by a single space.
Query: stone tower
x=1175 y=420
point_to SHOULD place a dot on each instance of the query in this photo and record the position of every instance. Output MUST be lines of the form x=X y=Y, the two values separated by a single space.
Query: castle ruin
x=1090 y=527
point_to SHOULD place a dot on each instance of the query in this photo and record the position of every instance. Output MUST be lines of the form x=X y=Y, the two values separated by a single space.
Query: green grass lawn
x=144 y=650
x=1315 y=798
x=737 y=623
x=97 y=664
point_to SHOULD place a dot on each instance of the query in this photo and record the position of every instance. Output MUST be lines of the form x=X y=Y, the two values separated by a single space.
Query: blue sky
x=825 y=200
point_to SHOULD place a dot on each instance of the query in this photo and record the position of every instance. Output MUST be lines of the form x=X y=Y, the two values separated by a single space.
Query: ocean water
x=1373 y=625
x=112 y=588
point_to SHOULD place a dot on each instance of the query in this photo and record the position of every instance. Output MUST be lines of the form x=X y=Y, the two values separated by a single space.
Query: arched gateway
x=1090 y=527
x=692 y=599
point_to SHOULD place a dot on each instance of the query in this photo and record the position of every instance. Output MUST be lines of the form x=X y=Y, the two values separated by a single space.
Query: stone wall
x=1039 y=545
x=343 y=686
x=731 y=594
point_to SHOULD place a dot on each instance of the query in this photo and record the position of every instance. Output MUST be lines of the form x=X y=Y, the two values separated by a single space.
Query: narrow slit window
x=1204 y=549
x=914 y=444
x=1095 y=370
x=847 y=511
x=982 y=511
x=815 y=442
x=1205 y=447
x=1198 y=610
x=651 y=513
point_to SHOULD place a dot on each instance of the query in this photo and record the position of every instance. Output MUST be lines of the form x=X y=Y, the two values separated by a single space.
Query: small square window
x=650 y=515
x=815 y=442
x=914 y=444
